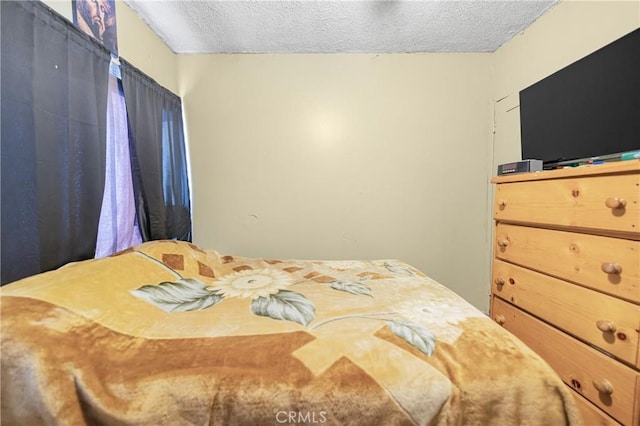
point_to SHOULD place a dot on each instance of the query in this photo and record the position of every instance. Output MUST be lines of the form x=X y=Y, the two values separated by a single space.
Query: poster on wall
x=98 y=19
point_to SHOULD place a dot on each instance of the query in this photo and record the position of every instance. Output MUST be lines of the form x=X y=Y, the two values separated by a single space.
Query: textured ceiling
x=272 y=26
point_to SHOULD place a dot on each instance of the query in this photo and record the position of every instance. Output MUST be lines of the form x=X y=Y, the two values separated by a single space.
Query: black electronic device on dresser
x=523 y=166
x=588 y=109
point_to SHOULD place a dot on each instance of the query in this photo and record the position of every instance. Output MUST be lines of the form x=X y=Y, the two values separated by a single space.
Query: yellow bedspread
x=169 y=334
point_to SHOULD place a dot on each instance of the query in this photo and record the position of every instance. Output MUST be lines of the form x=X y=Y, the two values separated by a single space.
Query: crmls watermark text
x=296 y=417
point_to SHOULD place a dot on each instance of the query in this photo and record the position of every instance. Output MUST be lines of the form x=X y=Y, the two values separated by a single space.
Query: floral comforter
x=170 y=334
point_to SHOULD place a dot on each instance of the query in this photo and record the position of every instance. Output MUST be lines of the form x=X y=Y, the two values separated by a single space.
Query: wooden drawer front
x=592 y=415
x=573 y=256
x=580 y=366
x=578 y=202
x=636 y=411
x=576 y=309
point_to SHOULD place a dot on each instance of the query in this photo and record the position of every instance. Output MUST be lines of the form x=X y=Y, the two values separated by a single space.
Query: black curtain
x=159 y=157
x=54 y=98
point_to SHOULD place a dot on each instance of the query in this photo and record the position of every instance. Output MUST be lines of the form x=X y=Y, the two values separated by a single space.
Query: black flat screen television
x=589 y=109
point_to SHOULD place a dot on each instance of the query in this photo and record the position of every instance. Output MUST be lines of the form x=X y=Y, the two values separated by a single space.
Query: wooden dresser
x=566 y=279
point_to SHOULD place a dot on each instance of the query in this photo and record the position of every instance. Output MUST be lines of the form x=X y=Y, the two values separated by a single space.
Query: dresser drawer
x=578 y=310
x=609 y=203
x=605 y=382
x=592 y=415
x=610 y=265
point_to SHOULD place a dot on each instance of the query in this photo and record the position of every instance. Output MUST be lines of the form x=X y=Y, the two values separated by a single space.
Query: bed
x=167 y=333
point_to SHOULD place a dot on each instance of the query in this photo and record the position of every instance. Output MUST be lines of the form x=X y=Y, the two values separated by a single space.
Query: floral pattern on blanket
x=271 y=294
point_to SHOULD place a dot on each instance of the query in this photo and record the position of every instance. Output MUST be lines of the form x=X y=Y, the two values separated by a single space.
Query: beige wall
x=344 y=157
x=136 y=43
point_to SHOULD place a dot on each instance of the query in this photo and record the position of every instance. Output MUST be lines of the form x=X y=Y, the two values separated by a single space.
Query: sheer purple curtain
x=118 y=228
x=54 y=96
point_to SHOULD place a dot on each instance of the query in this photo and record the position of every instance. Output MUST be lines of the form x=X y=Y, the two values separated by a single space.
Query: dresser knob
x=502 y=204
x=603 y=386
x=606 y=326
x=503 y=243
x=500 y=319
x=576 y=385
x=616 y=203
x=611 y=268
x=499 y=281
